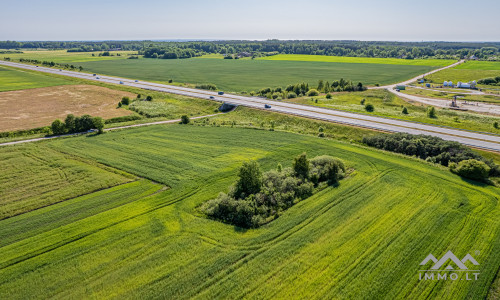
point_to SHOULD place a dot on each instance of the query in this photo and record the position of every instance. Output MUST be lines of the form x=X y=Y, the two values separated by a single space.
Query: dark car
x=212 y=97
x=220 y=93
x=267 y=106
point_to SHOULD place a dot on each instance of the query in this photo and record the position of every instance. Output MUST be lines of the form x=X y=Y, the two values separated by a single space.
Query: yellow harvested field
x=31 y=108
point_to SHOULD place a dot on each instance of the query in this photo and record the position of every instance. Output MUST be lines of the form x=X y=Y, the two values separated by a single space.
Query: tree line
x=303 y=89
x=459 y=158
x=257 y=198
x=74 y=124
x=409 y=50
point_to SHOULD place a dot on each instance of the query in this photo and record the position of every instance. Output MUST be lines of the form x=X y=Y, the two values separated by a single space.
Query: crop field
x=360 y=60
x=171 y=106
x=31 y=108
x=143 y=240
x=35 y=176
x=251 y=75
x=15 y=79
x=479 y=65
x=63 y=57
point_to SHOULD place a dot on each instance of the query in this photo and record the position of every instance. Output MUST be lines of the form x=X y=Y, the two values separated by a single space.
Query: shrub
x=326 y=168
x=185 y=119
x=405 y=111
x=431 y=112
x=362 y=102
x=328 y=96
x=149 y=98
x=369 y=107
x=120 y=104
x=207 y=86
x=125 y=100
x=471 y=168
x=495 y=125
x=291 y=95
x=122 y=119
x=312 y=92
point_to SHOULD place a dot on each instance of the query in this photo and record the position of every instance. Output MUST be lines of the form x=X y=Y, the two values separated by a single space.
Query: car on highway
x=121 y=82
x=212 y=97
x=220 y=93
x=93 y=74
x=98 y=77
x=137 y=81
x=267 y=106
x=60 y=70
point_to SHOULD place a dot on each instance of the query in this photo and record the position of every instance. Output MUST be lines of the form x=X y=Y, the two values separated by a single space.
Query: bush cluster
x=490 y=81
x=471 y=168
x=257 y=198
x=430 y=148
x=207 y=86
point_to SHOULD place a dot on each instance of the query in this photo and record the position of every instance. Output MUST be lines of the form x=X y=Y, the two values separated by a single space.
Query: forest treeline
x=164 y=49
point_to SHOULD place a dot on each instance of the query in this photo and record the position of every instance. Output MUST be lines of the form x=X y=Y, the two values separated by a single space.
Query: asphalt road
x=471 y=138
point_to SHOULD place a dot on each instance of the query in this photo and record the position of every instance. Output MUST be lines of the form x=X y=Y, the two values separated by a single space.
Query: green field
x=360 y=60
x=468 y=71
x=139 y=241
x=16 y=79
x=251 y=75
x=63 y=57
x=479 y=65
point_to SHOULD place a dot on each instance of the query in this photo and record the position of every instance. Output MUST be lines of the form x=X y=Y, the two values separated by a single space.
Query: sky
x=388 y=20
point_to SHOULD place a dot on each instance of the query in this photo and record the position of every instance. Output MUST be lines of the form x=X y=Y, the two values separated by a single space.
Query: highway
x=471 y=138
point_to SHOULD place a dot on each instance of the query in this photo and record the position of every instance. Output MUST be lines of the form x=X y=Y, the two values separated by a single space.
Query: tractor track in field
x=224 y=274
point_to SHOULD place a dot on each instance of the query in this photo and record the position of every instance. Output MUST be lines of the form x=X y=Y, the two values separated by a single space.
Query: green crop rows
x=144 y=240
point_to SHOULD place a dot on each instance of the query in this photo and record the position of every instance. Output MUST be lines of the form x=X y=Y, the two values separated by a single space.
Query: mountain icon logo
x=449 y=256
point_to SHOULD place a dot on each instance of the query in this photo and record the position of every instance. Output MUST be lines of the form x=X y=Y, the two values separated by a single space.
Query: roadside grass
x=251 y=75
x=16 y=79
x=64 y=57
x=388 y=105
x=34 y=176
x=172 y=106
x=332 y=245
x=444 y=95
x=362 y=60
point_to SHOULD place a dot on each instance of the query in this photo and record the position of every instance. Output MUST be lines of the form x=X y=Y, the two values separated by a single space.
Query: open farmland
x=31 y=108
x=252 y=75
x=360 y=60
x=340 y=243
x=64 y=57
x=16 y=79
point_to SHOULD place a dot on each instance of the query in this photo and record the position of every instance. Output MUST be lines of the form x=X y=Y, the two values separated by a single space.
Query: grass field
x=33 y=108
x=344 y=242
x=248 y=75
x=468 y=71
x=359 y=60
x=444 y=95
x=63 y=57
x=15 y=79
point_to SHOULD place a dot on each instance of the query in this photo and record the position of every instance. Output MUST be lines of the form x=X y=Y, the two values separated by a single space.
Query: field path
x=106 y=129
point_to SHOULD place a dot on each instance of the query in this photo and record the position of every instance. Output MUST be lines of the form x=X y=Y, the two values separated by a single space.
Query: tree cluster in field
x=74 y=124
x=170 y=53
x=490 y=81
x=257 y=198
x=303 y=89
x=49 y=63
x=408 y=50
x=436 y=150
